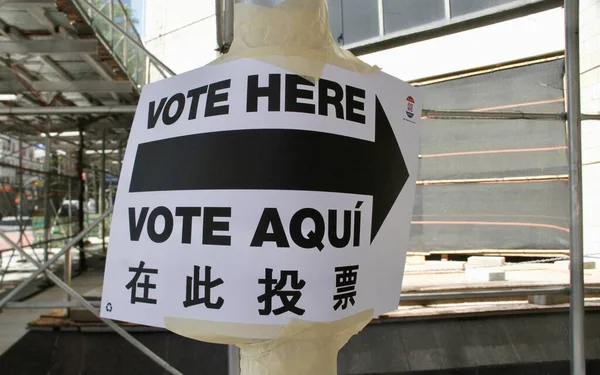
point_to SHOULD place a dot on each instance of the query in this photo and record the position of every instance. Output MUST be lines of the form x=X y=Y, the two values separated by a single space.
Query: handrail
x=117 y=32
x=130 y=21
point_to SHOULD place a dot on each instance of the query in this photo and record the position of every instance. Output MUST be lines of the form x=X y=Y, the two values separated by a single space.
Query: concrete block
x=566 y=264
x=485 y=261
x=82 y=315
x=547 y=300
x=415 y=259
x=485 y=274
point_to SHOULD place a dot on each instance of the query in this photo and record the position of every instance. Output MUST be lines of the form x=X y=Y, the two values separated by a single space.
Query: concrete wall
x=533 y=344
x=590 y=103
x=182 y=33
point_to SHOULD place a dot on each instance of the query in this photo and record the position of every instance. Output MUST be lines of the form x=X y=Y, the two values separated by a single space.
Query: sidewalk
x=13 y=322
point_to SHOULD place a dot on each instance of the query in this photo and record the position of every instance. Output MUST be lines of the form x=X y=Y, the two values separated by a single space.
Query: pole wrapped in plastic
x=293 y=35
x=299 y=348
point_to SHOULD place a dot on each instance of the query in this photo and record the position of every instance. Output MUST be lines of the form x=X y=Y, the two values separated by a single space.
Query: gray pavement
x=420 y=276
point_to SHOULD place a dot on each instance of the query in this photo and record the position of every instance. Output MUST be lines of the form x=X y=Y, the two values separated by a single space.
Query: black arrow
x=278 y=159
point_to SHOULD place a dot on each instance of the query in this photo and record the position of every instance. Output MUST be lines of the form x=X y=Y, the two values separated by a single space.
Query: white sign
x=252 y=195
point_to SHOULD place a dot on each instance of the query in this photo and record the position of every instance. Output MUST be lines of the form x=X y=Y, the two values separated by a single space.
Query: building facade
x=182 y=33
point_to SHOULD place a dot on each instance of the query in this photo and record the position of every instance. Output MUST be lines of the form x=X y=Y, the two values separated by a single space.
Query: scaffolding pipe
x=588 y=117
x=228 y=15
x=573 y=101
x=120 y=155
x=68 y=266
x=21 y=195
x=111 y=13
x=492 y=180
x=37 y=111
x=46 y=305
x=220 y=15
x=80 y=198
x=47 y=182
x=497 y=293
x=429 y=114
x=102 y=192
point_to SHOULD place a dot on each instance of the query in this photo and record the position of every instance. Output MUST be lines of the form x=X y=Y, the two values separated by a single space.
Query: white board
x=296 y=196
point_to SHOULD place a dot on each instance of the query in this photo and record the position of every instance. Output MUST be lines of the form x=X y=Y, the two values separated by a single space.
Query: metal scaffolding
x=89 y=100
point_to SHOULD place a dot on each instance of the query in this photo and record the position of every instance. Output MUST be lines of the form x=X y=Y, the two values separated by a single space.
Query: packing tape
x=298 y=348
x=293 y=35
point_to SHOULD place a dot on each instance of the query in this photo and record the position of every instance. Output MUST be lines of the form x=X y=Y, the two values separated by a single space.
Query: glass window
x=462 y=7
x=360 y=20
x=406 y=14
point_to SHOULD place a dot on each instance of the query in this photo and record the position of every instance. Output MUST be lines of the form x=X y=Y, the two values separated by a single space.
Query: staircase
x=110 y=21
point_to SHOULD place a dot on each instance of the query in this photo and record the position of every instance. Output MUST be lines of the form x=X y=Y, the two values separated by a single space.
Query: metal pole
x=486 y=294
x=148 y=72
x=432 y=114
x=21 y=195
x=589 y=117
x=120 y=156
x=427 y=113
x=100 y=110
x=46 y=305
x=93 y=181
x=381 y=20
x=228 y=20
x=102 y=195
x=81 y=213
x=110 y=30
x=220 y=15
x=577 y=311
x=47 y=183
x=85 y=303
x=70 y=214
x=233 y=360
x=68 y=258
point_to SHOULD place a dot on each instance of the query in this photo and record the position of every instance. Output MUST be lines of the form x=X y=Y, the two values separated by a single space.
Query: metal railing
x=114 y=26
